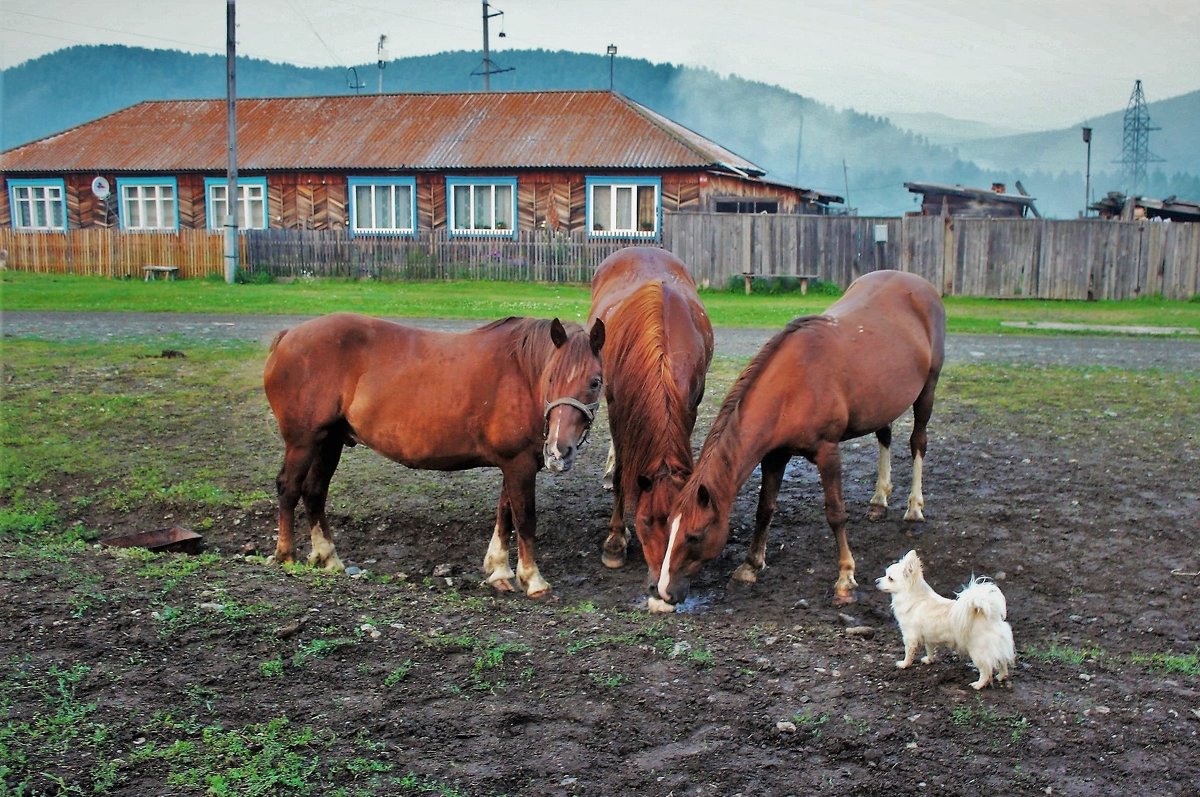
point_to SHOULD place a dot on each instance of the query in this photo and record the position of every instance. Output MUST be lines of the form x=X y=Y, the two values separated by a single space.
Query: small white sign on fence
x=881 y=234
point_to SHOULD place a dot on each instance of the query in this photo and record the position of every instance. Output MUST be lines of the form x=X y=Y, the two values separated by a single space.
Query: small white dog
x=973 y=624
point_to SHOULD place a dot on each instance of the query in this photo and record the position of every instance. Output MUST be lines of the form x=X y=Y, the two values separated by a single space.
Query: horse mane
x=275 y=341
x=530 y=343
x=728 y=414
x=651 y=426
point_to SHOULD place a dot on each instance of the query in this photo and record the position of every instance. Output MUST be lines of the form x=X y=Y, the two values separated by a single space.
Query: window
x=148 y=204
x=382 y=205
x=623 y=207
x=252 y=202
x=482 y=206
x=38 y=204
x=747 y=206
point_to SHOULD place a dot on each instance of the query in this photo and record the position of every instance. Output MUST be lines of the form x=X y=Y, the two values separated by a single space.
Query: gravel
x=1121 y=351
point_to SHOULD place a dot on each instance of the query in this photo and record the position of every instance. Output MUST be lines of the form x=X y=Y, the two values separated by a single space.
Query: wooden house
x=1117 y=206
x=955 y=200
x=472 y=164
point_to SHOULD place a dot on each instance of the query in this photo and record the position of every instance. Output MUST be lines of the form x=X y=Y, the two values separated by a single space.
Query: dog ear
x=911 y=565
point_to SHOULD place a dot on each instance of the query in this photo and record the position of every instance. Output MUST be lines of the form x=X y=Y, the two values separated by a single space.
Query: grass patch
x=490 y=300
x=1184 y=663
x=985 y=717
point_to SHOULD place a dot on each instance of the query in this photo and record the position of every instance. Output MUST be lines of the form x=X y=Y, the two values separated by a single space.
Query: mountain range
x=862 y=157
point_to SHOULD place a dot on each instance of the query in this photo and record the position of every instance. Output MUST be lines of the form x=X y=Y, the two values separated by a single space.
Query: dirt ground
x=762 y=690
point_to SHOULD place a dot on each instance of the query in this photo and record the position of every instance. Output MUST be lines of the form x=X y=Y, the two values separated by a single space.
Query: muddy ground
x=1092 y=533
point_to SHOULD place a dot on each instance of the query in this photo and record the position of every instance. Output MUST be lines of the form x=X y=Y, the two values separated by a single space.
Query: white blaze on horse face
x=664 y=578
x=555 y=430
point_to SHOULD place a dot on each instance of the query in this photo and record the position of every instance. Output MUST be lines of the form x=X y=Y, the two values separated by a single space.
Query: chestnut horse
x=823 y=379
x=514 y=394
x=660 y=343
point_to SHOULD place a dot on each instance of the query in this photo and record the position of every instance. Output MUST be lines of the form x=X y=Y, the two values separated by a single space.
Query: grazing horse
x=822 y=380
x=660 y=343
x=514 y=394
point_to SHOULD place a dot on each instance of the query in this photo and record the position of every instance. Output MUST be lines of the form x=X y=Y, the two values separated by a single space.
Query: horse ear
x=558 y=333
x=597 y=337
x=644 y=483
x=703 y=497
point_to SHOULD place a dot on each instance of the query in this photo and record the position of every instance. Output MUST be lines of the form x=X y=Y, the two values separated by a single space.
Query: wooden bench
x=803 y=278
x=152 y=272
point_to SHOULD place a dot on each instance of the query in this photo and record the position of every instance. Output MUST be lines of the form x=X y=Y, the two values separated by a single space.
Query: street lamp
x=612 y=54
x=1087 y=180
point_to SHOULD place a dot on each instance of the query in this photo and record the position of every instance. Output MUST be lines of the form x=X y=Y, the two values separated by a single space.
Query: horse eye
x=596 y=382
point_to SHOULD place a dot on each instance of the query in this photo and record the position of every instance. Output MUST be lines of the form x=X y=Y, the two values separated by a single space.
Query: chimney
x=998 y=188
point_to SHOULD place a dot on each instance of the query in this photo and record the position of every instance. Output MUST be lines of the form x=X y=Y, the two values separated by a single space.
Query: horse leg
x=315 y=492
x=289 y=485
x=773 y=466
x=617 y=542
x=829 y=464
x=883 y=485
x=610 y=467
x=922 y=410
x=495 y=563
x=519 y=483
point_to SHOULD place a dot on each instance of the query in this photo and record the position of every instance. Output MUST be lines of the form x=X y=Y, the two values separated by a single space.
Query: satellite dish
x=101 y=188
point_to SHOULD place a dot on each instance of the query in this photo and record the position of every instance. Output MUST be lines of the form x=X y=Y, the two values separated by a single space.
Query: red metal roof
x=496 y=130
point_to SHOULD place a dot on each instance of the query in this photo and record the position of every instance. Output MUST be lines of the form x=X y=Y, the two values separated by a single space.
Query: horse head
x=656 y=497
x=571 y=384
x=698 y=531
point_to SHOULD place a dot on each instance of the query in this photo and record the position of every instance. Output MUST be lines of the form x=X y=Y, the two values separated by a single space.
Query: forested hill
x=798 y=140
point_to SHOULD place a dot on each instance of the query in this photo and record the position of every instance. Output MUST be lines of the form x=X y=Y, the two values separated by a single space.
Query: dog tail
x=980 y=599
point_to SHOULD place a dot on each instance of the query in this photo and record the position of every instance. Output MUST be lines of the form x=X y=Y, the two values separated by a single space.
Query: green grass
x=489 y=300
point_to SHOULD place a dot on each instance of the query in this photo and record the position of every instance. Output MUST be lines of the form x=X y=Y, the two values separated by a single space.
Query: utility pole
x=1135 y=150
x=846 y=180
x=799 y=146
x=612 y=55
x=231 y=188
x=488 y=68
x=1087 y=175
x=382 y=54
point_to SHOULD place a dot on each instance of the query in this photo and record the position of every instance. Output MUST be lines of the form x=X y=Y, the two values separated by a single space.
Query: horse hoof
x=502 y=585
x=546 y=594
x=746 y=574
x=613 y=561
x=876 y=513
x=843 y=600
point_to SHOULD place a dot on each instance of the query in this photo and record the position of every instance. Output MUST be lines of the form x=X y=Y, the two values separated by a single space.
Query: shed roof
x=412 y=132
x=970 y=193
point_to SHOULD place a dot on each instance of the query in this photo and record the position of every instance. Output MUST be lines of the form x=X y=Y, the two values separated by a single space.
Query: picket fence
x=1078 y=259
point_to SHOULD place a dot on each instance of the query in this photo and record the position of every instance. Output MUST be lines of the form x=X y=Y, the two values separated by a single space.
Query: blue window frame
x=383 y=205
x=148 y=203
x=38 y=204
x=624 y=207
x=252 y=202
x=481 y=206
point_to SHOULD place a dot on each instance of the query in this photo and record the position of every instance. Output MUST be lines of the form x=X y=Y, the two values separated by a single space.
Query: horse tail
x=278 y=337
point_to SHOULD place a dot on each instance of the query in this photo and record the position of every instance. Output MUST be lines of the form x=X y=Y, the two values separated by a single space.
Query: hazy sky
x=1031 y=64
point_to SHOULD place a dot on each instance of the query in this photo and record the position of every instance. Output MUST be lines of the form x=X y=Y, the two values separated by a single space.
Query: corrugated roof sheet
x=496 y=130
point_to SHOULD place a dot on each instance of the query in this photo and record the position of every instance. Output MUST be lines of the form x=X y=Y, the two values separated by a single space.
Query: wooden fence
x=1079 y=259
